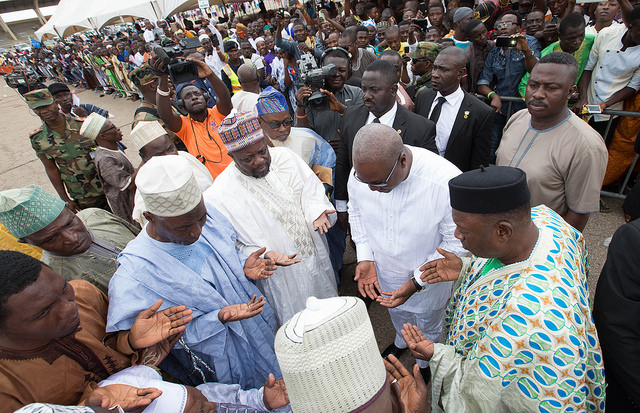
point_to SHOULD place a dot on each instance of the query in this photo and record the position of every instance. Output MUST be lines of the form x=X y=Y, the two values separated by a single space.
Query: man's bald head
x=458 y=55
x=377 y=143
x=247 y=73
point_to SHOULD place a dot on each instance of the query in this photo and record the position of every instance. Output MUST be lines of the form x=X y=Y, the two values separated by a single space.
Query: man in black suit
x=463 y=123
x=379 y=86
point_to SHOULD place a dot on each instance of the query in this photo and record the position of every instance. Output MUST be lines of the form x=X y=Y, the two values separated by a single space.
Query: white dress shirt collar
x=386 y=119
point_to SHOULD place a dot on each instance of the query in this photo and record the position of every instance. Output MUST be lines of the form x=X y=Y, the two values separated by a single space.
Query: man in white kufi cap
x=274 y=199
x=187 y=254
x=151 y=139
x=330 y=362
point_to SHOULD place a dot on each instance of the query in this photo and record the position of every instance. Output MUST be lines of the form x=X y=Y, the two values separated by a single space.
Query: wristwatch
x=417 y=285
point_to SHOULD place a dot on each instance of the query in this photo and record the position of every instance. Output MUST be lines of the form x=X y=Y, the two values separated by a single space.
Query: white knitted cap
x=145 y=132
x=329 y=357
x=92 y=125
x=168 y=187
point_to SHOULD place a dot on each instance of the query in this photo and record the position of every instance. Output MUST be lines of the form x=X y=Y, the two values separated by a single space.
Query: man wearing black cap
x=64 y=98
x=229 y=74
x=520 y=333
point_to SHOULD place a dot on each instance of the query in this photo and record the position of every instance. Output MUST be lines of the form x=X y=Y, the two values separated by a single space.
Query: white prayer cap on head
x=145 y=132
x=329 y=357
x=92 y=125
x=203 y=36
x=168 y=187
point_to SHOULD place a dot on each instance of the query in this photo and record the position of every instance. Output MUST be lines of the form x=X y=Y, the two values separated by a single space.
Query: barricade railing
x=620 y=113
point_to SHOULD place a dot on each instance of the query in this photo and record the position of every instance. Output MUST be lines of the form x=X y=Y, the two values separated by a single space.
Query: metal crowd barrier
x=620 y=113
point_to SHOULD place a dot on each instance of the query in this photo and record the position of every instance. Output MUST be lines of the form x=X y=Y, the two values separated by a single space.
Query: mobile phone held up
x=406 y=49
x=506 y=41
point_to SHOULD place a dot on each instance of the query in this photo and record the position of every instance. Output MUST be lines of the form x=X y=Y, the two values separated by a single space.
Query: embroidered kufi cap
x=92 y=125
x=329 y=357
x=38 y=98
x=271 y=100
x=24 y=211
x=168 y=187
x=489 y=190
x=145 y=132
x=240 y=130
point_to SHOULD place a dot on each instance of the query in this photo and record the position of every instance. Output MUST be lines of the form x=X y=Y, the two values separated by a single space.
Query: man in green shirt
x=65 y=154
x=80 y=247
x=572 y=41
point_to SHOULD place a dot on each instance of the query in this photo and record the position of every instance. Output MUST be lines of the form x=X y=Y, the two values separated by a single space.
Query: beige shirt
x=564 y=164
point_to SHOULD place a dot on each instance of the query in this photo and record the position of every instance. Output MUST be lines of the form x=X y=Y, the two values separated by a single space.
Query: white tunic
x=400 y=230
x=277 y=212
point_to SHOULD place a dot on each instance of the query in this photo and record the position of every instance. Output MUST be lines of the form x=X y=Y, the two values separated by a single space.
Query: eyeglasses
x=108 y=129
x=276 y=125
x=504 y=24
x=418 y=60
x=386 y=181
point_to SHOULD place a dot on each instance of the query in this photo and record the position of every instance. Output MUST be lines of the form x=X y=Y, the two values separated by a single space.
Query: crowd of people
x=460 y=147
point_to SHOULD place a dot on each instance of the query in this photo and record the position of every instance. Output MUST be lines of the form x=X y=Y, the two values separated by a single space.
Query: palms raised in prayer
x=420 y=347
x=152 y=326
x=442 y=269
x=281 y=259
x=236 y=312
x=367 y=278
x=322 y=223
x=275 y=393
x=258 y=268
x=128 y=397
x=413 y=390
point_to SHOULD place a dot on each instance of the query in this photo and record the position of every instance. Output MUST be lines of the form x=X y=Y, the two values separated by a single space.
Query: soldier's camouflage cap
x=426 y=49
x=38 y=98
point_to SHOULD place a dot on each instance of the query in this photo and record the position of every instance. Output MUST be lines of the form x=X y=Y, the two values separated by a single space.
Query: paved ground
x=19 y=167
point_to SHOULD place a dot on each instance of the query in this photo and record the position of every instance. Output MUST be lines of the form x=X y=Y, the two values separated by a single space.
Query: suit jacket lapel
x=400 y=121
x=460 y=123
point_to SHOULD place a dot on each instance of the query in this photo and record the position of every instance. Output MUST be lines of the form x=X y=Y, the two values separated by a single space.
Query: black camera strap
x=200 y=156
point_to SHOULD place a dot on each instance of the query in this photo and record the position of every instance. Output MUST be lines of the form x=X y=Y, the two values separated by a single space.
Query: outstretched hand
x=258 y=268
x=282 y=259
x=275 y=393
x=420 y=347
x=442 y=269
x=413 y=390
x=398 y=297
x=153 y=326
x=367 y=278
x=322 y=223
x=236 y=312
x=128 y=397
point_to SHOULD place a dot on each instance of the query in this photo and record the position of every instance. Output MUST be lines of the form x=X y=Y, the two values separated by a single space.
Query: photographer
x=327 y=122
x=301 y=43
x=199 y=129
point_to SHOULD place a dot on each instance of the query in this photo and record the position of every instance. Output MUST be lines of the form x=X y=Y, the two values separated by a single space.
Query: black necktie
x=376 y=120
x=435 y=114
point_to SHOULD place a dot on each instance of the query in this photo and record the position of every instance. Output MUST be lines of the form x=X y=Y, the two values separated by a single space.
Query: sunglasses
x=504 y=24
x=386 y=181
x=276 y=125
x=422 y=59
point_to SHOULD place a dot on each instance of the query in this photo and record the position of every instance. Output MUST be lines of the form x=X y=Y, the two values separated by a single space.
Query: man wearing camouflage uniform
x=66 y=155
x=421 y=66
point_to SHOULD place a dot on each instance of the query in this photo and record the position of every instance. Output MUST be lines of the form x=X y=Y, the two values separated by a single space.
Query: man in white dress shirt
x=399 y=213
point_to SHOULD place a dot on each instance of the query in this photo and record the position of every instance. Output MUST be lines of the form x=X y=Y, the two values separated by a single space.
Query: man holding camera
x=301 y=43
x=326 y=121
x=199 y=129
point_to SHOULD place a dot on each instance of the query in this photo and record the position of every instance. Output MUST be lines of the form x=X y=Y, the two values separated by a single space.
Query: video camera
x=170 y=53
x=313 y=78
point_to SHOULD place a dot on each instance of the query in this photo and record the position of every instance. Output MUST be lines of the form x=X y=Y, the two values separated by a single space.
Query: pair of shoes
x=392 y=349
x=426 y=374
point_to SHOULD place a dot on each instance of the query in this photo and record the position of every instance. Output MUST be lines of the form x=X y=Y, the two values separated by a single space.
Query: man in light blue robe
x=187 y=254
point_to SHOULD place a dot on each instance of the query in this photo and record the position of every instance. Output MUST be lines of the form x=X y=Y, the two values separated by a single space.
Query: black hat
x=631 y=204
x=57 y=88
x=230 y=45
x=489 y=190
